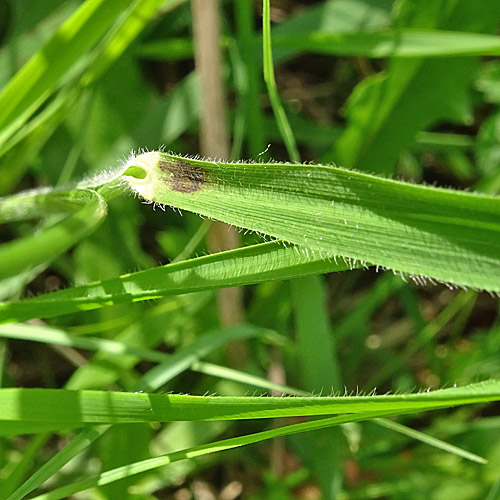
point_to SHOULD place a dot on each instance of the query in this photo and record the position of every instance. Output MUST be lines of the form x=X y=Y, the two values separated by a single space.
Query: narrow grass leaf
x=25 y=141
x=272 y=89
x=253 y=264
x=182 y=360
x=172 y=366
x=48 y=335
x=425 y=438
x=26 y=410
x=402 y=44
x=245 y=378
x=318 y=371
x=122 y=34
x=227 y=444
x=318 y=363
x=18 y=472
x=54 y=465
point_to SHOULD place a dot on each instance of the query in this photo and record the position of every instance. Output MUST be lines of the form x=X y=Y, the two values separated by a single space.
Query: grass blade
x=28 y=410
x=244 y=378
x=425 y=438
x=76 y=446
x=446 y=235
x=182 y=360
x=254 y=264
x=51 y=335
x=89 y=211
x=227 y=444
x=272 y=89
x=319 y=371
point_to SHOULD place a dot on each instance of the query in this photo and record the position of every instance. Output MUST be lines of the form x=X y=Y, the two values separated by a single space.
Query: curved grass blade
x=182 y=360
x=47 y=335
x=189 y=358
x=272 y=89
x=80 y=443
x=430 y=440
x=449 y=236
x=226 y=444
x=253 y=264
x=87 y=210
x=252 y=380
x=171 y=365
x=56 y=409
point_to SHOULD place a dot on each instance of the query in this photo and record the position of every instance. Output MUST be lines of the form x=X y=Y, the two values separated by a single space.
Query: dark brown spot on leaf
x=183 y=177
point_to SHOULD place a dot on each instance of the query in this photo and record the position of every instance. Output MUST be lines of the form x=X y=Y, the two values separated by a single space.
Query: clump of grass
x=121 y=341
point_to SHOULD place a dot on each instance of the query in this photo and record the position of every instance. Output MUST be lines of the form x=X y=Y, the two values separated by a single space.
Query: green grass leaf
x=253 y=264
x=197 y=451
x=26 y=410
x=53 y=466
x=87 y=210
x=272 y=89
x=172 y=365
x=319 y=370
x=446 y=235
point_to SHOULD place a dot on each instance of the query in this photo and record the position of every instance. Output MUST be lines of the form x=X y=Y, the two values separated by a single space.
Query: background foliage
x=365 y=85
